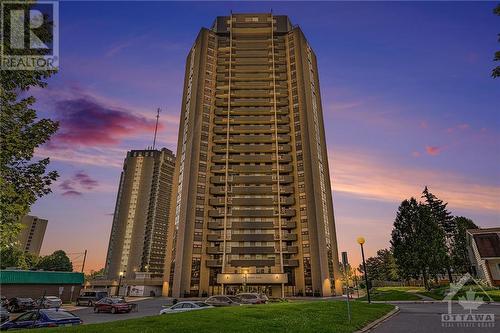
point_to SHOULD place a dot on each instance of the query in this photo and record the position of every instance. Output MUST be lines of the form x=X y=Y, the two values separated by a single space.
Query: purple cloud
x=79 y=180
x=85 y=121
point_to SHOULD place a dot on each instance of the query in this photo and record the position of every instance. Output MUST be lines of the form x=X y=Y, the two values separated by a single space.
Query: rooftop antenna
x=156 y=126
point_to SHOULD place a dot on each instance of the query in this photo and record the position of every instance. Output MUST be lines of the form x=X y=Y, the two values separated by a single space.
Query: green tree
x=57 y=261
x=23 y=179
x=94 y=274
x=496 y=70
x=381 y=267
x=459 y=255
x=445 y=221
x=417 y=241
x=13 y=257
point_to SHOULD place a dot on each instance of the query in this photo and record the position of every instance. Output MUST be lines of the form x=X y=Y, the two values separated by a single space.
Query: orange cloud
x=367 y=176
x=433 y=150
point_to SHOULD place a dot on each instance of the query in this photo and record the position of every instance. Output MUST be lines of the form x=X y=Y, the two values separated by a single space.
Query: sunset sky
x=408 y=101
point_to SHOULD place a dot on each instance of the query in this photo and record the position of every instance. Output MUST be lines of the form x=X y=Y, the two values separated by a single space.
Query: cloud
x=433 y=150
x=368 y=176
x=416 y=154
x=77 y=183
x=72 y=193
x=85 y=121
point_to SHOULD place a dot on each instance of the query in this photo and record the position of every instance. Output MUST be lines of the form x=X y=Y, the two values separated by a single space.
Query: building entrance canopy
x=273 y=278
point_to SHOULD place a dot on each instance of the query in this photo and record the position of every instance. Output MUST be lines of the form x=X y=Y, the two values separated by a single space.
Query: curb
x=379 y=321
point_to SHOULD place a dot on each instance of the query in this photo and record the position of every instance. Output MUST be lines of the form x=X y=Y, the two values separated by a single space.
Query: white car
x=50 y=302
x=186 y=306
x=253 y=298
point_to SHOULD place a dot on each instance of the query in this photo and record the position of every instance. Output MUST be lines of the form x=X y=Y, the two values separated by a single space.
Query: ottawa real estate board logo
x=468 y=314
x=29 y=35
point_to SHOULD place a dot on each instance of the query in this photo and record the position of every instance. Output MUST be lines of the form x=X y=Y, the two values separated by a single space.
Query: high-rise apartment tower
x=30 y=238
x=140 y=222
x=252 y=204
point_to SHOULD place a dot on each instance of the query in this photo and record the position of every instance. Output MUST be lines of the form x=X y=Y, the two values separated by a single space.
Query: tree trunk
x=450 y=277
x=426 y=283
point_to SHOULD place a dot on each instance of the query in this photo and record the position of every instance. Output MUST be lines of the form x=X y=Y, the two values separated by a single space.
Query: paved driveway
x=426 y=317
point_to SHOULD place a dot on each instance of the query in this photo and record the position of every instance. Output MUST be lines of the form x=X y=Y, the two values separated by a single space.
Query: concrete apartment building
x=252 y=205
x=30 y=238
x=139 y=232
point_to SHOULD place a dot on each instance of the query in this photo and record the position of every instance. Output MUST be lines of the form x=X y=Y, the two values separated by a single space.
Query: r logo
x=30 y=35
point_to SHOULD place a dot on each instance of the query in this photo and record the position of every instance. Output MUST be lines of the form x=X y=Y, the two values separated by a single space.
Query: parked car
x=89 y=298
x=186 y=306
x=50 y=302
x=4 y=314
x=42 y=318
x=252 y=298
x=223 y=300
x=19 y=304
x=113 y=305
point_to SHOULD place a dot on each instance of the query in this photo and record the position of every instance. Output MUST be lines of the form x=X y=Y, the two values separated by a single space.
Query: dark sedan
x=40 y=319
x=113 y=305
x=4 y=314
x=19 y=304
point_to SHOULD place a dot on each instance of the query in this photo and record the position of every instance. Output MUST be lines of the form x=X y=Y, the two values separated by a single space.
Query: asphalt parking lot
x=146 y=307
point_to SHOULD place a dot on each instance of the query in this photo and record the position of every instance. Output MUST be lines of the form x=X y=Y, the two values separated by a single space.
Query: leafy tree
x=417 y=241
x=445 y=221
x=94 y=274
x=382 y=267
x=459 y=255
x=15 y=257
x=57 y=261
x=496 y=70
x=23 y=179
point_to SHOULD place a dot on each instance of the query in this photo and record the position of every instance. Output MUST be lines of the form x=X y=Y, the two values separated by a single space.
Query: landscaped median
x=303 y=317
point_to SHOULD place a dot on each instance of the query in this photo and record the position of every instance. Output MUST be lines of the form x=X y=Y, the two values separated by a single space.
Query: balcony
x=249 y=120
x=253 y=213
x=252 y=225
x=251 y=168
x=291 y=262
x=252 y=238
x=261 y=158
x=214 y=263
x=214 y=250
x=252 y=262
x=290 y=249
x=252 y=189
x=253 y=250
x=214 y=238
x=251 y=139
x=261 y=148
x=252 y=129
x=264 y=179
x=287 y=237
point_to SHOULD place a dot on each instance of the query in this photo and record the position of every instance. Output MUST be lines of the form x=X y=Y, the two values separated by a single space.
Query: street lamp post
x=361 y=241
x=119 y=284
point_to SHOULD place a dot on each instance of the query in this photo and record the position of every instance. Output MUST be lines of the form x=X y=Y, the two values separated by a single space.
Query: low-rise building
x=484 y=253
x=35 y=284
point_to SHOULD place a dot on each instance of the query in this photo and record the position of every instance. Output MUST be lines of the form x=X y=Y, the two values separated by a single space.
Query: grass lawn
x=394 y=294
x=441 y=292
x=321 y=316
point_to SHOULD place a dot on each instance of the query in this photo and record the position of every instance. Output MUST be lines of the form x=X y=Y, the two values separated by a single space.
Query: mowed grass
x=393 y=294
x=441 y=292
x=303 y=317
